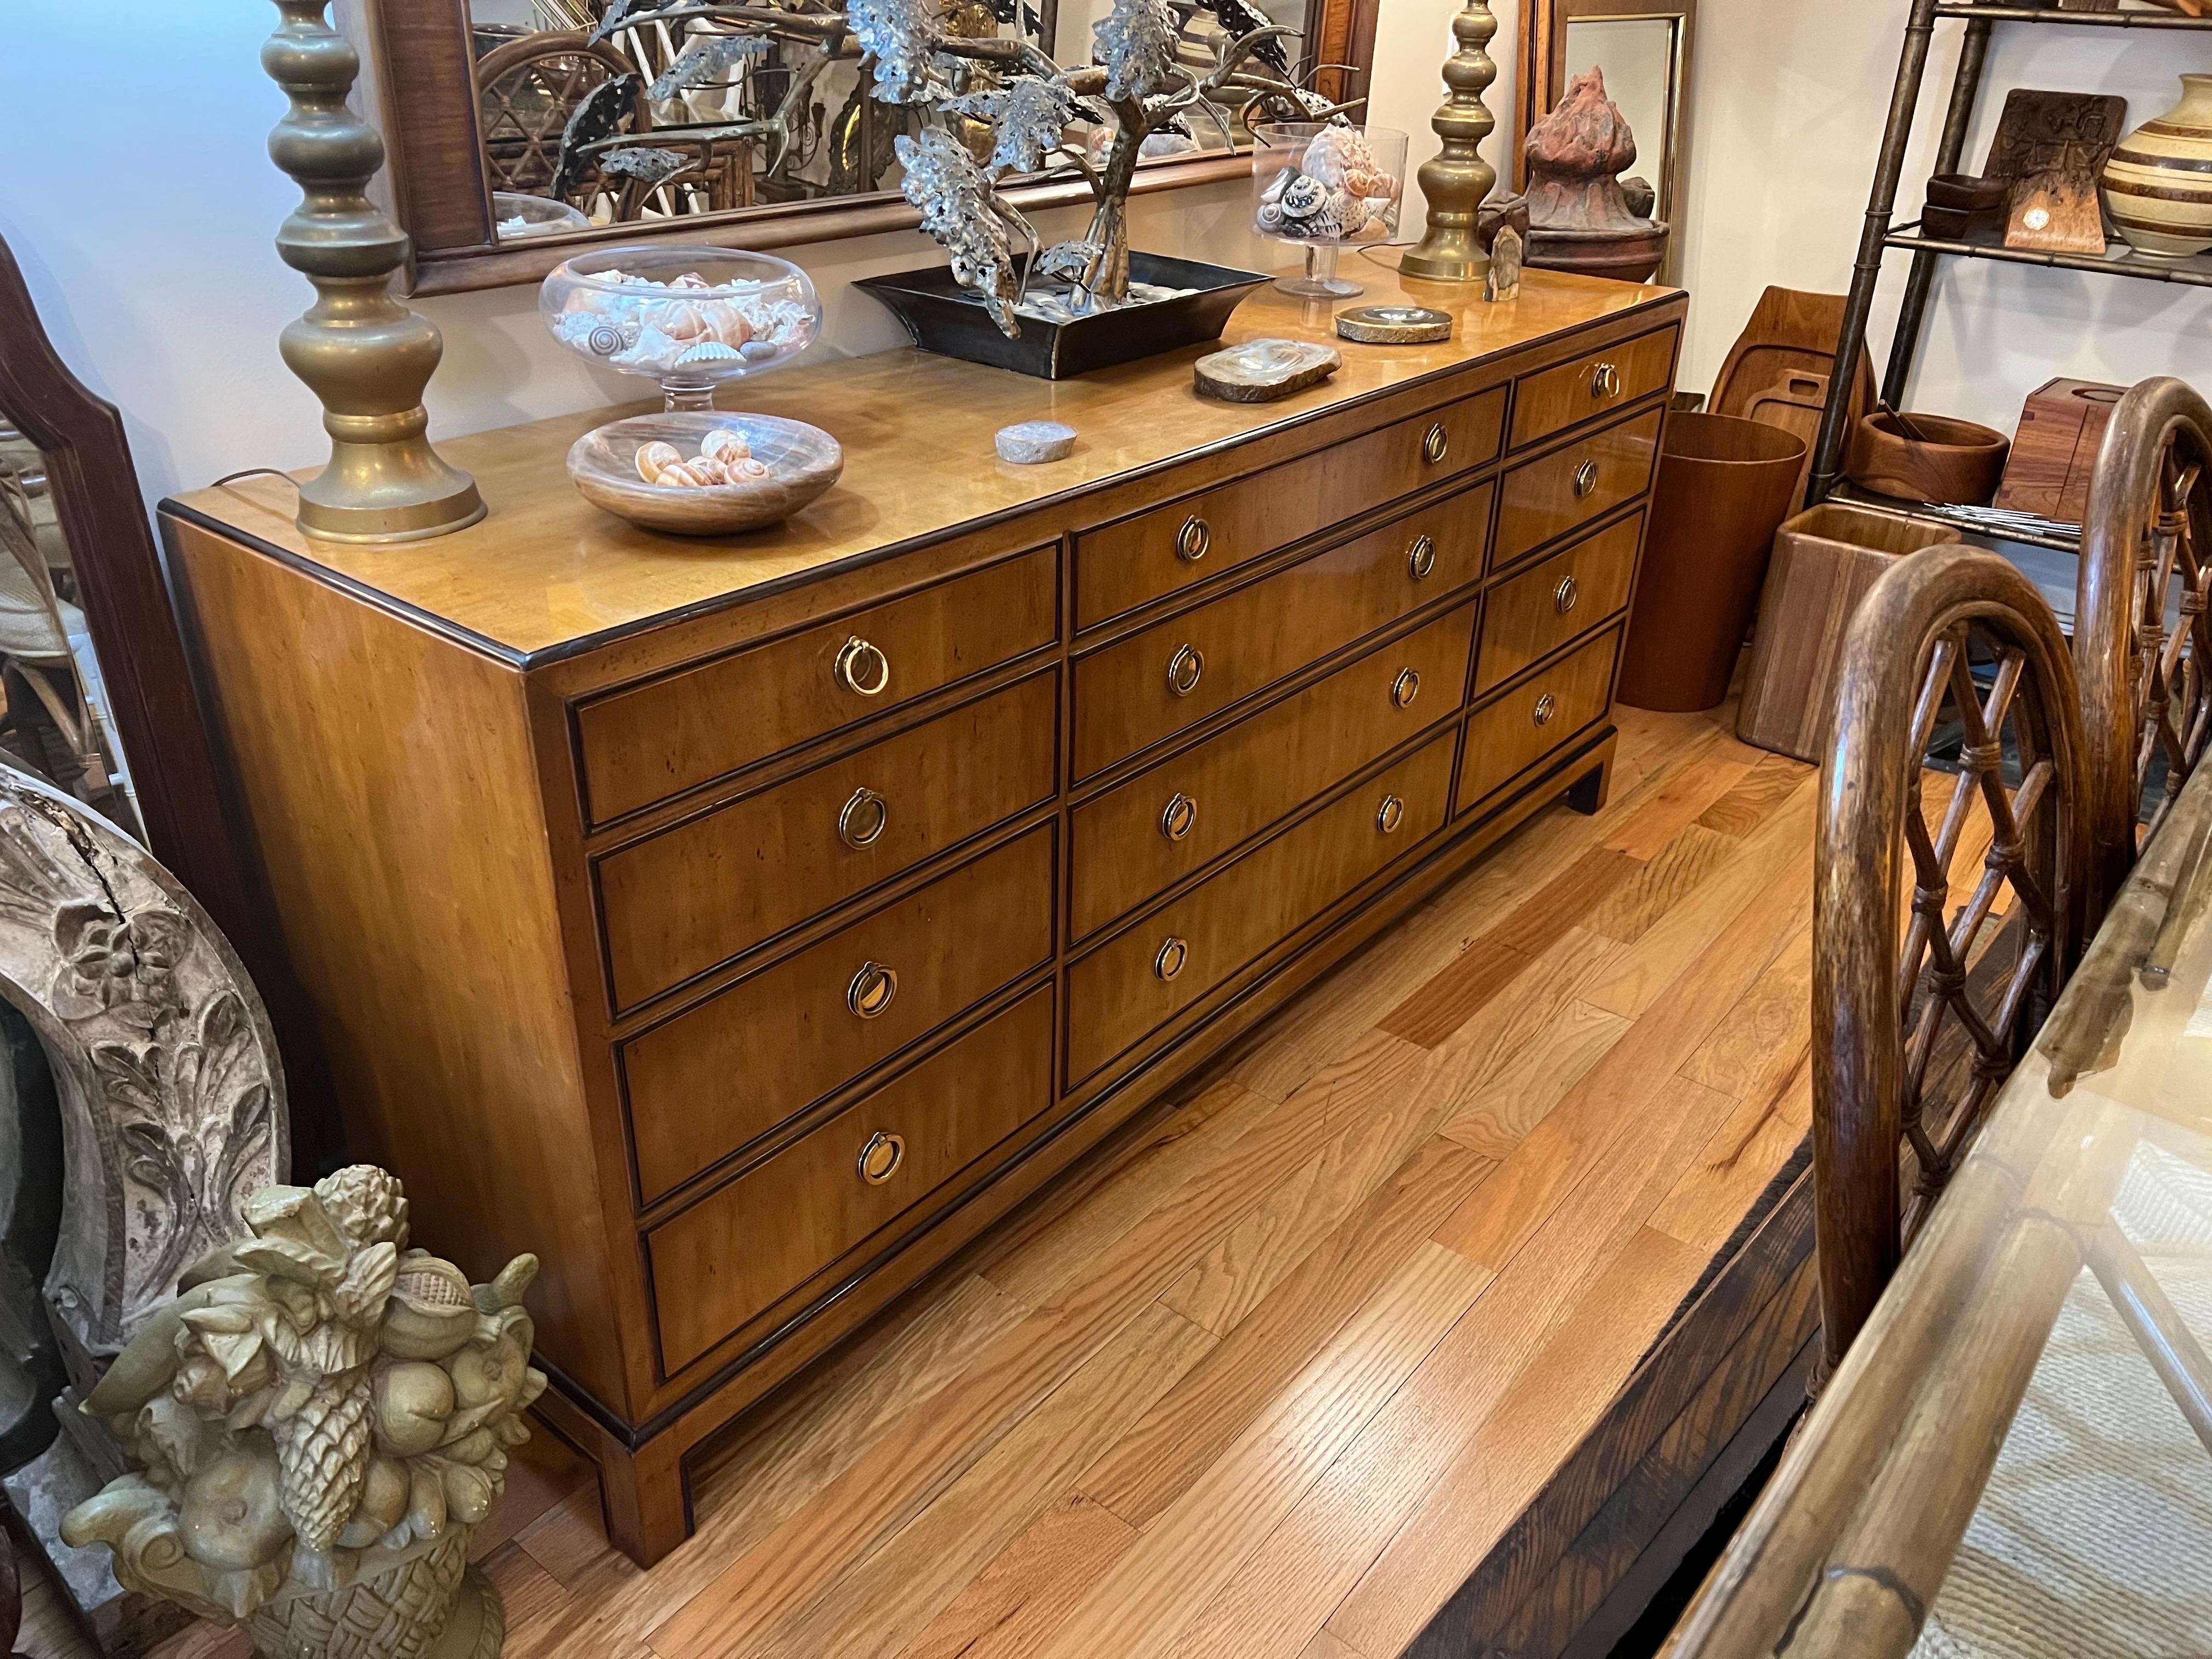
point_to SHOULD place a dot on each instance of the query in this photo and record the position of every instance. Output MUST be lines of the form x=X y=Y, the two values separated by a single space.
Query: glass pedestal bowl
x=1326 y=186
x=689 y=318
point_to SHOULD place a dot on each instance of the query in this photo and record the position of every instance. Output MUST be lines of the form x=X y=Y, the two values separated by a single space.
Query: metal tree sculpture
x=1002 y=108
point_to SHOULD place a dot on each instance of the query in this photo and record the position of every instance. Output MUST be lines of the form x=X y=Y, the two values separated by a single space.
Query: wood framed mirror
x=1645 y=49
x=784 y=147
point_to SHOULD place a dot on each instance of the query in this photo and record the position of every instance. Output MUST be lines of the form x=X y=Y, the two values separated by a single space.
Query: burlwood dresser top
x=546 y=572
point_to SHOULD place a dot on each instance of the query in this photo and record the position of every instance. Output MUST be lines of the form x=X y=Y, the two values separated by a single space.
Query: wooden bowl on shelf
x=803 y=461
x=1926 y=458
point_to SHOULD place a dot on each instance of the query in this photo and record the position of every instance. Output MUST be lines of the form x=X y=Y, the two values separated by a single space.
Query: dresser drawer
x=720 y=1075
x=1145 y=976
x=1174 y=674
x=658 y=739
x=1147 y=834
x=1553 y=399
x=687 y=898
x=1536 y=612
x=738 y=1251
x=1122 y=565
x=1552 y=493
x=1539 y=715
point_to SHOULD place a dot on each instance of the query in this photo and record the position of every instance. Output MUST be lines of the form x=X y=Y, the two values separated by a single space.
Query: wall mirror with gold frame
x=1644 y=48
x=490 y=107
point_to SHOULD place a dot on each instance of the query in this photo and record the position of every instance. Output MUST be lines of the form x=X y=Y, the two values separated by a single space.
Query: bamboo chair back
x=2142 y=640
x=1948 y=909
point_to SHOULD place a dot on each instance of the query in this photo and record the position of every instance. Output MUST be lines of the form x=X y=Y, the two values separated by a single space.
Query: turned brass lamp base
x=1455 y=180
x=1446 y=255
x=367 y=357
x=349 y=520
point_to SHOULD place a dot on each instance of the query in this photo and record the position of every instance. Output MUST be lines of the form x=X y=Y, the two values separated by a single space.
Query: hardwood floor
x=1271 y=1379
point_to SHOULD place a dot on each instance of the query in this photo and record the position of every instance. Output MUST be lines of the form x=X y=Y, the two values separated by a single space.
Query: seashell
x=725 y=323
x=751 y=467
x=708 y=351
x=725 y=444
x=1274 y=190
x=683 y=322
x=689 y=279
x=1304 y=197
x=757 y=352
x=1270 y=215
x=605 y=339
x=707 y=470
x=678 y=475
x=1349 y=212
x=1368 y=182
x=652 y=457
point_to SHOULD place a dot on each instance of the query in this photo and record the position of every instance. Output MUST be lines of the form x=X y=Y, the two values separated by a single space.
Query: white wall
x=140 y=201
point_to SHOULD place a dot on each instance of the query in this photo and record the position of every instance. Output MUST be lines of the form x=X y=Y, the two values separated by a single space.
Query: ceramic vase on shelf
x=2158 y=184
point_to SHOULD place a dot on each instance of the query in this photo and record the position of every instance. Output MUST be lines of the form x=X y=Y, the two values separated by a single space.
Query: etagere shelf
x=1882 y=230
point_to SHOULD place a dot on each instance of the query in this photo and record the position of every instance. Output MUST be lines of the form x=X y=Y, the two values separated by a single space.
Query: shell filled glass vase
x=692 y=319
x=1325 y=187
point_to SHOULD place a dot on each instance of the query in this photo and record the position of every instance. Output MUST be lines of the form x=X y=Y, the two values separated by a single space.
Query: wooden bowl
x=802 y=462
x=1949 y=462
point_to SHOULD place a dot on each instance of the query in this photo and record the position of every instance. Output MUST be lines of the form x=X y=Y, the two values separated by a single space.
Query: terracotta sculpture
x=1579 y=212
x=318 y=1422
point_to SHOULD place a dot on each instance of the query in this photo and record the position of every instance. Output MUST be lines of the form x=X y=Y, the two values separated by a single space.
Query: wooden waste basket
x=1824 y=561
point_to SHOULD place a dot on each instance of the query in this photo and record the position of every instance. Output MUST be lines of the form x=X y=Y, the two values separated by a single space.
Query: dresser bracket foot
x=1588 y=793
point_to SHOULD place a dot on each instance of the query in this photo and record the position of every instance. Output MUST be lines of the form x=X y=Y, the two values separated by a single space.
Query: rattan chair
x=1949 y=910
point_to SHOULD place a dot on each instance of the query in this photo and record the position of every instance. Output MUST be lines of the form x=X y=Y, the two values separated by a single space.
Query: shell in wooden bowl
x=802 y=462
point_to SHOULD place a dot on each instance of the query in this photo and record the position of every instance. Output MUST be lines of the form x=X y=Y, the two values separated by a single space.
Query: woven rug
x=2093 y=1539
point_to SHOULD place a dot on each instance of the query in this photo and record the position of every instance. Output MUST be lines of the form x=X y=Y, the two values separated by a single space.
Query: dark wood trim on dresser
x=885 y=899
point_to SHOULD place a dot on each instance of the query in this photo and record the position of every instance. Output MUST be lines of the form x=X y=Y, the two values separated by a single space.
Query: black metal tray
x=947 y=318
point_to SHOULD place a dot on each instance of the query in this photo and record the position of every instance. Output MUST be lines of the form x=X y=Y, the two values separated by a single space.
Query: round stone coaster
x=1026 y=443
x=1393 y=324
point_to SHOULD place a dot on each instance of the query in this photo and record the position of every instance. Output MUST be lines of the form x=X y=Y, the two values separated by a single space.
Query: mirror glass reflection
x=581 y=133
x=55 y=723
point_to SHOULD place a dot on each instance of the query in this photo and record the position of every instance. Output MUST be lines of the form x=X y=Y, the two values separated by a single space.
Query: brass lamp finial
x=364 y=354
x=1456 y=179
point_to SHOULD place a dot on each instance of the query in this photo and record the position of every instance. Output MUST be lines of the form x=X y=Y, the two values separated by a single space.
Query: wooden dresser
x=744 y=927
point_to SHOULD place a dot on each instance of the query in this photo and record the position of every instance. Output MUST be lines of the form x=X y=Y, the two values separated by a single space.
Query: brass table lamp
x=1456 y=179
x=364 y=354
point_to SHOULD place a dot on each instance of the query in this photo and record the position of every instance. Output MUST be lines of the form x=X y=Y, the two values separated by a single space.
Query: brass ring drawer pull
x=1390 y=815
x=881 y=1154
x=1545 y=709
x=863 y=819
x=862 y=668
x=1405 y=688
x=1585 y=479
x=1605 y=382
x=1421 y=557
x=1193 y=540
x=1172 y=955
x=1179 y=816
x=1184 y=670
x=1436 y=444
x=872 y=990
x=1566 y=594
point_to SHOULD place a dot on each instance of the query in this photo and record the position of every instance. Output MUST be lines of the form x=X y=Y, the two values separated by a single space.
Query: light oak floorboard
x=1318 y=1330
x=1030 y=1587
